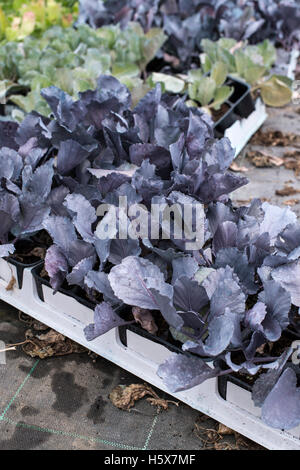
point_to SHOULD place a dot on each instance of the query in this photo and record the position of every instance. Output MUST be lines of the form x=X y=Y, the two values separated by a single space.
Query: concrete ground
x=63 y=403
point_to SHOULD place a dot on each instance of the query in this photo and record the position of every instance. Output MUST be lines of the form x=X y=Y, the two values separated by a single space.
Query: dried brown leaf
x=171 y=59
x=224 y=430
x=125 y=397
x=263 y=159
x=145 y=319
x=291 y=202
x=11 y=284
x=274 y=138
x=235 y=167
x=49 y=344
x=287 y=191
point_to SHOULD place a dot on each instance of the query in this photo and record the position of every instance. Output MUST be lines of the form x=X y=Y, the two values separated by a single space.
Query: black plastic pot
x=73 y=292
x=145 y=334
x=173 y=347
x=20 y=266
x=240 y=105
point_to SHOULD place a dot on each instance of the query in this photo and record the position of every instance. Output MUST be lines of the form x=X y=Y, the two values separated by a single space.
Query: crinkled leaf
x=85 y=215
x=288 y=276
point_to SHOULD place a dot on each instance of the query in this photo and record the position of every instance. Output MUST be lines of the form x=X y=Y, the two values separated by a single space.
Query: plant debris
x=49 y=344
x=217 y=436
x=287 y=191
x=291 y=202
x=274 y=138
x=236 y=168
x=125 y=397
x=292 y=161
x=263 y=159
x=11 y=284
x=145 y=319
x=224 y=430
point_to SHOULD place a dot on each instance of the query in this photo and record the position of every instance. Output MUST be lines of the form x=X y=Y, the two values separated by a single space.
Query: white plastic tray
x=242 y=130
x=141 y=357
x=293 y=64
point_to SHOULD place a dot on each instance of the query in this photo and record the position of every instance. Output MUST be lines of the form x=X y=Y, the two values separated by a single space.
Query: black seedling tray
x=137 y=329
x=240 y=105
x=20 y=266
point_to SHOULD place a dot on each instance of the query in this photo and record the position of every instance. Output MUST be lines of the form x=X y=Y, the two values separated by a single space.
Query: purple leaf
x=67 y=112
x=278 y=303
x=61 y=231
x=11 y=164
x=70 y=155
x=98 y=281
x=180 y=372
x=120 y=249
x=238 y=261
x=275 y=220
x=225 y=236
x=105 y=319
x=265 y=383
x=281 y=408
x=189 y=296
x=255 y=316
x=288 y=276
x=6 y=250
x=184 y=266
x=85 y=215
x=132 y=279
x=78 y=273
x=8 y=130
x=224 y=292
x=56 y=266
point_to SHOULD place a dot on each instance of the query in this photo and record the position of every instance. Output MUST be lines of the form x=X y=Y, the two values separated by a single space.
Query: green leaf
x=33 y=101
x=202 y=274
x=247 y=69
x=228 y=59
x=284 y=79
x=206 y=63
x=222 y=94
x=226 y=43
x=171 y=83
x=125 y=71
x=183 y=335
x=202 y=90
x=268 y=52
x=275 y=92
x=138 y=92
x=195 y=74
x=210 y=48
x=191 y=104
x=3 y=23
x=153 y=41
x=219 y=73
x=6 y=86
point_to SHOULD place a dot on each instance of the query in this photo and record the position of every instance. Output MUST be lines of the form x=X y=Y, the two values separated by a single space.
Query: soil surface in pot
x=218 y=114
x=27 y=252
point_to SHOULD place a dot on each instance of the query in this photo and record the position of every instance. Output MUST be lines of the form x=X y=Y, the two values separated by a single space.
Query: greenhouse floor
x=63 y=403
